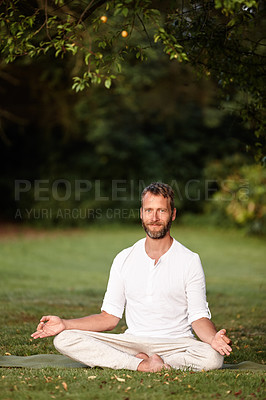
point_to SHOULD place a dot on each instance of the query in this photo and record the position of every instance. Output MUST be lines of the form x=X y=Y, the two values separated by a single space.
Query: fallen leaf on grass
x=92 y=377
x=128 y=388
x=119 y=379
x=64 y=384
x=7 y=354
x=238 y=393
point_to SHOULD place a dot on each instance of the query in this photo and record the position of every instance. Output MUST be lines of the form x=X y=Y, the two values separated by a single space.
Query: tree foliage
x=222 y=39
x=241 y=194
x=157 y=122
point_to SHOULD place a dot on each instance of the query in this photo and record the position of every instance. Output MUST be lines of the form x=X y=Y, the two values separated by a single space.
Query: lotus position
x=161 y=286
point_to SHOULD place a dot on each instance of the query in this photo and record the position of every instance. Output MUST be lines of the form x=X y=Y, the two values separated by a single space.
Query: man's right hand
x=49 y=325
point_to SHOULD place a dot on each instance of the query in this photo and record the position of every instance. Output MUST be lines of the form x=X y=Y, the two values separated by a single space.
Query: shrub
x=240 y=197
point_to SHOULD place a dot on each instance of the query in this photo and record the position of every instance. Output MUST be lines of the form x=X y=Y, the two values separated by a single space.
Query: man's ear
x=140 y=212
x=174 y=214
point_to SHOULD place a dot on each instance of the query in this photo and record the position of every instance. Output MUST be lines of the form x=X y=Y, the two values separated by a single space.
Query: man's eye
x=162 y=211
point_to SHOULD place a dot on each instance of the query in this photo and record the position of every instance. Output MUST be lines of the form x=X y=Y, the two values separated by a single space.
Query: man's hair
x=158 y=188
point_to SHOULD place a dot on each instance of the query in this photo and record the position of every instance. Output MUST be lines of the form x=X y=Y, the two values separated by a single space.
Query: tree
x=220 y=38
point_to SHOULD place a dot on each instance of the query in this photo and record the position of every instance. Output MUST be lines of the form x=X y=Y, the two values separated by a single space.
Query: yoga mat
x=245 y=365
x=60 y=361
x=40 y=361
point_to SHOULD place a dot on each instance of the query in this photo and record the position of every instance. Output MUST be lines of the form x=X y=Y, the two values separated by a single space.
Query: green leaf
x=107 y=83
x=87 y=58
x=118 y=67
x=125 y=12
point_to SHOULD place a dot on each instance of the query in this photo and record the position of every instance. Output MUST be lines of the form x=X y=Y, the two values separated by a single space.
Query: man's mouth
x=154 y=224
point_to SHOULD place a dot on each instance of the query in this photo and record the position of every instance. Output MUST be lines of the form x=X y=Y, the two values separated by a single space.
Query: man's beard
x=158 y=234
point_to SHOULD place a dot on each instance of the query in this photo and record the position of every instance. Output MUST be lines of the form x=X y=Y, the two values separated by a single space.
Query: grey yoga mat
x=60 y=361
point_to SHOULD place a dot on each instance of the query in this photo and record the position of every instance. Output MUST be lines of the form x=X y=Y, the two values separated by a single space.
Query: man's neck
x=155 y=248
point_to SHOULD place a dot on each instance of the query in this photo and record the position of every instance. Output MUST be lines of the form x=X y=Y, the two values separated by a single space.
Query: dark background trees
x=160 y=119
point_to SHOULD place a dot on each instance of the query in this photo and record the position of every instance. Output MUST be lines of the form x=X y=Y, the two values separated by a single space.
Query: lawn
x=65 y=273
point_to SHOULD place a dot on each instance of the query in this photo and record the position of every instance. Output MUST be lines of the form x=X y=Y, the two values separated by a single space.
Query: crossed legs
x=123 y=351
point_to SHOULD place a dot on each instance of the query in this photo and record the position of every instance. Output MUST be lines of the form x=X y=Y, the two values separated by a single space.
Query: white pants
x=118 y=351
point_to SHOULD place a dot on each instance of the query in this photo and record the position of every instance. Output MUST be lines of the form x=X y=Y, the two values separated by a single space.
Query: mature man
x=161 y=285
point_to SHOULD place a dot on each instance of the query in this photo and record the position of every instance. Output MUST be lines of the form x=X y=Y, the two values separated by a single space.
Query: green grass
x=66 y=274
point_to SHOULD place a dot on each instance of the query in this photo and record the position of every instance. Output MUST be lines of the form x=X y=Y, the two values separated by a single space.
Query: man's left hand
x=221 y=342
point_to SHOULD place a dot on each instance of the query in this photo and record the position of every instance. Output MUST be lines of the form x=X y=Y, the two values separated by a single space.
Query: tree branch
x=145 y=30
x=46 y=20
x=89 y=10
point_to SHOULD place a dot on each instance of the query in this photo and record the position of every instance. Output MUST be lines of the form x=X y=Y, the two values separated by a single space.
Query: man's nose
x=155 y=216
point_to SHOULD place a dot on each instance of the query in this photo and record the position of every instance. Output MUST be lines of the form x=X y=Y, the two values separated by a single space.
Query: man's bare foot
x=144 y=356
x=153 y=363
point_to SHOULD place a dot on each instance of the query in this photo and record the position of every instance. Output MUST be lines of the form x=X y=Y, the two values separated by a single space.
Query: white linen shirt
x=161 y=300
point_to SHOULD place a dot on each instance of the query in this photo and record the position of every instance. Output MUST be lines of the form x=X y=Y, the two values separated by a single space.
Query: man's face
x=156 y=215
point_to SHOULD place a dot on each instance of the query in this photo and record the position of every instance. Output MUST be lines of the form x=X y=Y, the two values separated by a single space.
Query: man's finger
x=229 y=348
x=39 y=335
x=226 y=350
x=35 y=335
x=40 y=326
x=226 y=339
x=222 y=332
x=45 y=318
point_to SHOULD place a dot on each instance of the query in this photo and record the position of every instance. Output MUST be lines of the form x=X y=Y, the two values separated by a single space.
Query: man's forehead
x=150 y=198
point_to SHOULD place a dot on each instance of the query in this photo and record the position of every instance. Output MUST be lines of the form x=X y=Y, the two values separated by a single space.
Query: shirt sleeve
x=114 y=299
x=196 y=291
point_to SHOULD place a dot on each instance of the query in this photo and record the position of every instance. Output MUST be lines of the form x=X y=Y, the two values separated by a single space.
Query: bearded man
x=161 y=285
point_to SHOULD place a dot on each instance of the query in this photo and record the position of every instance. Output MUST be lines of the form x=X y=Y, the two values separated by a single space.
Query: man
x=161 y=284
